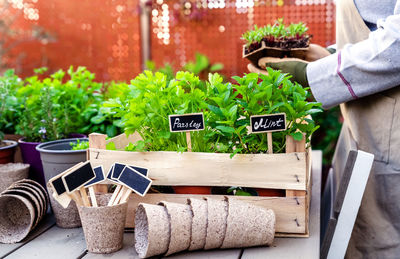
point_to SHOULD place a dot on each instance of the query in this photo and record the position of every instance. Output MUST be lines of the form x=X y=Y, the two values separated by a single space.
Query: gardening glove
x=316 y=52
x=253 y=69
x=295 y=67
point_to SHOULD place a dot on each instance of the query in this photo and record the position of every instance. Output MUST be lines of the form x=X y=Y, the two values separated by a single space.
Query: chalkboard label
x=186 y=122
x=58 y=186
x=268 y=123
x=135 y=181
x=99 y=176
x=118 y=168
x=79 y=177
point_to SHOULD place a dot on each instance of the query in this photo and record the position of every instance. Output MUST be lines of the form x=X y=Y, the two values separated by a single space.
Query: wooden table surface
x=49 y=241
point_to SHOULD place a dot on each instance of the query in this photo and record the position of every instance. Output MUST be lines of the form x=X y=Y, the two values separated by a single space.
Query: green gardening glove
x=297 y=69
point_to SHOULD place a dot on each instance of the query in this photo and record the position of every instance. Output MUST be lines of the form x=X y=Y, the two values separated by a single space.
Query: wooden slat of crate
x=289 y=211
x=276 y=171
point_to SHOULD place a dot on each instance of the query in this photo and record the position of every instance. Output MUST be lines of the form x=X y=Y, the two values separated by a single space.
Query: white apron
x=371 y=124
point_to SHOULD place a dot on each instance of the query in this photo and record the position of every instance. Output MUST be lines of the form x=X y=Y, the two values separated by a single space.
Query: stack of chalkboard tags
x=73 y=183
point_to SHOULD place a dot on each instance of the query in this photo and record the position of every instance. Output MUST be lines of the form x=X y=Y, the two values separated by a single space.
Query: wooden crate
x=288 y=171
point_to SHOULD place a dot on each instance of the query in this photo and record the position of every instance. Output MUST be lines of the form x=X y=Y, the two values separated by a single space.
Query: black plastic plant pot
x=275 y=52
x=57 y=156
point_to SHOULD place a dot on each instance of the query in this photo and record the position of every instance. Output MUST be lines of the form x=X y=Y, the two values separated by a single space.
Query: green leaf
x=226 y=129
x=216 y=67
x=298 y=136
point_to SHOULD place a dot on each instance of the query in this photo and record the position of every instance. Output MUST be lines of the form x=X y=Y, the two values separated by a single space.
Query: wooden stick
x=269 y=140
x=93 y=196
x=126 y=196
x=189 y=141
x=114 y=195
x=77 y=199
x=120 y=194
x=85 y=198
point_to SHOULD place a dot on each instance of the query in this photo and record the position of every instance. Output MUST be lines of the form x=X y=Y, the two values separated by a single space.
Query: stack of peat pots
x=169 y=227
x=22 y=206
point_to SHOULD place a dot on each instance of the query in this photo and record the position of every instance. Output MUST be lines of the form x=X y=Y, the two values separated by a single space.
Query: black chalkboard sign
x=135 y=181
x=118 y=168
x=78 y=177
x=58 y=186
x=186 y=122
x=99 y=176
x=110 y=172
x=268 y=123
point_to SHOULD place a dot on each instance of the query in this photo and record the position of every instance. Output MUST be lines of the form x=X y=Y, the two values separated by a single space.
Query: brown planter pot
x=103 y=227
x=11 y=173
x=7 y=151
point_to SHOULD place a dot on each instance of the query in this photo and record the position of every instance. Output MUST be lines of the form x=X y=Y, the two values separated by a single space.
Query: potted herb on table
x=9 y=82
x=52 y=110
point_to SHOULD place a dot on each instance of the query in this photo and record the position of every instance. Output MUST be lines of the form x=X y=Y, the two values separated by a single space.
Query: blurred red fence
x=105 y=35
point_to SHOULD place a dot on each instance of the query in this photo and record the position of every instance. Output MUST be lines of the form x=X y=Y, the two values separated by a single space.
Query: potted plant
x=277 y=40
x=8 y=114
x=53 y=108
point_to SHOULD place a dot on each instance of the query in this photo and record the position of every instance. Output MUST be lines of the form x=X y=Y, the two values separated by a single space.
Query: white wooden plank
x=279 y=171
x=297 y=248
x=54 y=243
x=43 y=226
x=351 y=204
x=127 y=251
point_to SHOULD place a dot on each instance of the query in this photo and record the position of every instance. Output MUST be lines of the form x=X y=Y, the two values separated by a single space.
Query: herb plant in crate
x=227 y=109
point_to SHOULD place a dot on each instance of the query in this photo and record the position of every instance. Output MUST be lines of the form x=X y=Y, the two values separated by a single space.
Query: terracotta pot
x=270 y=192
x=192 y=189
x=7 y=151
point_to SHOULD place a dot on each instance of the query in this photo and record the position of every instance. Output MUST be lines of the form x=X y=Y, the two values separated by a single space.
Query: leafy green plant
x=79 y=145
x=226 y=107
x=201 y=66
x=52 y=109
x=277 y=35
x=9 y=104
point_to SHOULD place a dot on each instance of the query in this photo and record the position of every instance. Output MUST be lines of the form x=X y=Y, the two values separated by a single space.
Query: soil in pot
x=7 y=150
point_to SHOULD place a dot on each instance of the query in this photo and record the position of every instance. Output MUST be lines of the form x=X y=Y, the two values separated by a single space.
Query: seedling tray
x=265 y=51
x=290 y=172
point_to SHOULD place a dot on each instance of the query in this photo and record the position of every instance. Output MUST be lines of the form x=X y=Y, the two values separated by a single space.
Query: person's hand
x=254 y=69
x=295 y=67
x=316 y=52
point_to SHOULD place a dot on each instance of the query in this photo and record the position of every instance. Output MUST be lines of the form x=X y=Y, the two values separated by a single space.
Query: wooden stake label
x=268 y=123
x=186 y=122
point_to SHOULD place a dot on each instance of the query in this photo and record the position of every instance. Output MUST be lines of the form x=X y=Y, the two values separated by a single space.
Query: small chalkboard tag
x=99 y=176
x=118 y=168
x=78 y=177
x=186 y=122
x=135 y=181
x=268 y=123
x=109 y=175
x=56 y=182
